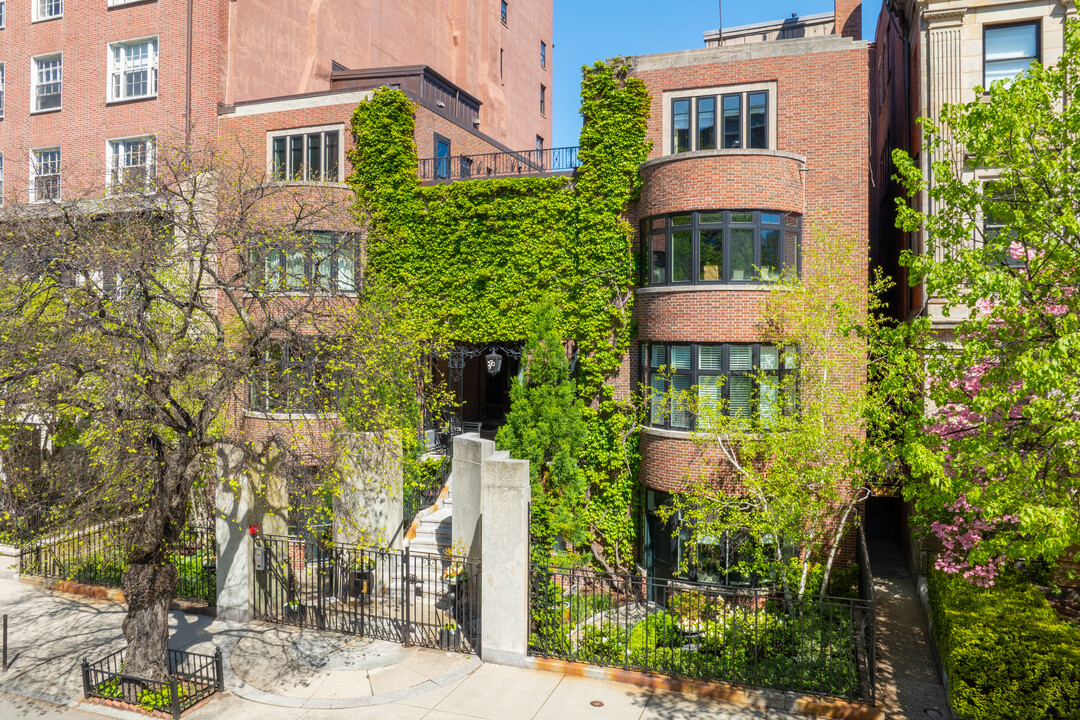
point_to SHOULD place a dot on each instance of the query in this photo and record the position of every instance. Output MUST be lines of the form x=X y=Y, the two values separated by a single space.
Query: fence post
x=219 y=668
x=175 y=693
x=85 y=679
x=406 y=599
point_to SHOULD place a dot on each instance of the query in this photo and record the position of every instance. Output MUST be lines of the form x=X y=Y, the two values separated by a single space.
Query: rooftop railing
x=481 y=166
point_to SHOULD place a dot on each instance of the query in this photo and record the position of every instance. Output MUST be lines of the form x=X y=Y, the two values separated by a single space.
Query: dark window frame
x=543 y=54
x=337 y=245
x=722 y=135
x=1036 y=22
x=696 y=133
x=543 y=100
x=442 y=162
x=293 y=162
x=690 y=122
x=304 y=363
x=749 y=129
x=504 y=13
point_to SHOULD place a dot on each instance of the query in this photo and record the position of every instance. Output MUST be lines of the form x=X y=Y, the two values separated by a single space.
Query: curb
x=923 y=591
x=752 y=697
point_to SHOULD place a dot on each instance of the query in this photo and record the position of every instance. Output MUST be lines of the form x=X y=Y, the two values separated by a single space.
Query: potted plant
x=449 y=635
x=293 y=611
x=363 y=576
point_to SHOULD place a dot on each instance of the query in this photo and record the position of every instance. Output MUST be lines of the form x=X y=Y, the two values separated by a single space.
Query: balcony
x=482 y=166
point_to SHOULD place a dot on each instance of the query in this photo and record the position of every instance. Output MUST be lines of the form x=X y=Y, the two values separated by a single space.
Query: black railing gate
x=410 y=598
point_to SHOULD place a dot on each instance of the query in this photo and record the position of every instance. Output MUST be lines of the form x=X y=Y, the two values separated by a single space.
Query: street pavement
x=275 y=673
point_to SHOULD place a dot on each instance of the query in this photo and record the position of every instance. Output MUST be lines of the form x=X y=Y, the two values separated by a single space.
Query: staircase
x=430 y=532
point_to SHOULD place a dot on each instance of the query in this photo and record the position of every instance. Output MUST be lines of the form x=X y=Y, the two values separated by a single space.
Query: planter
x=362 y=583
x=449 y=639
x=293 y=615
x=457 y=595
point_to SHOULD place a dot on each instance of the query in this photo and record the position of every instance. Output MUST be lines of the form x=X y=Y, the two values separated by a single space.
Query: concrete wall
x=368 y=508
x=470 y=452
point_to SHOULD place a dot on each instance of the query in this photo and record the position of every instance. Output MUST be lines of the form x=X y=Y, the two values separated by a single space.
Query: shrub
x=550 y=634
x=1007 y=654
x=603 y=644
x=657 y=631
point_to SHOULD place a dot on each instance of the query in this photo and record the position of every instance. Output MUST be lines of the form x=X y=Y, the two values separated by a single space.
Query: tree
x=996 y=457
x=784 y=474
x=140 y=327
x=545 y=427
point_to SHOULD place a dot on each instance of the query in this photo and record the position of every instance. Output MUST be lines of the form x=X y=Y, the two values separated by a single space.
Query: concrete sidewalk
x=275 y=673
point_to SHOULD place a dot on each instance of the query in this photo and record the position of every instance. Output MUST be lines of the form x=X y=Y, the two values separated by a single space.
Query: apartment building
x=87 y=88
x=758 y=138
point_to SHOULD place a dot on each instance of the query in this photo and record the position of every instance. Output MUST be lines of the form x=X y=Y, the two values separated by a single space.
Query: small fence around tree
x=97 y=556
x=192 y=679
x=704 y=631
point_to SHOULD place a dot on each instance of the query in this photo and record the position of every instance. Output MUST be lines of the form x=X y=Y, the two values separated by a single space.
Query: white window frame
x=1 y=179
x=272 y=134
x=114 y=69
x=37 y=6
x=34 y=173
x=3 y=14
x=34 y=73
x=1 y=87
x=115 y=148
x=114 y=3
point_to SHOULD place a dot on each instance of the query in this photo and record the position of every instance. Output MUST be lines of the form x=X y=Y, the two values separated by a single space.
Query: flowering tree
x=996 y=459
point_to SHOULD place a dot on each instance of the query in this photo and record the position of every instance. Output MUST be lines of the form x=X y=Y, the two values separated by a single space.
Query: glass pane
x=680 y=414
x=791 y=249
x=659 y=355
x=756 y=117
x=710 y=255
x=769 y=400
x=656 y=400
x=739 y=389
x=1008 y=43
x=680 y=357
x=1005 y=69
x=742 y=254
x=658 y=260
x=710 y=357
x=733 y=121
x=680 y=116
x=295 y=277
x=296 y=157
x=682 y=219
x=717 y=217
x=770 y=254
x=742 y=217
x=791 y=219
x=740 y=357
x=681 y=256
x=272 y=270
x=770 y=218
x=657 y=223
x=791 y=358
x=706 y=122
x=279 y=160
x=708 y=396
x=314 y=157
x=770 y=357
x=320 y=268
x=330 y=150
x=345 y=281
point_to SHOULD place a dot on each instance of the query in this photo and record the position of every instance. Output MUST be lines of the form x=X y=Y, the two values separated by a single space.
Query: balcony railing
x=497 y=165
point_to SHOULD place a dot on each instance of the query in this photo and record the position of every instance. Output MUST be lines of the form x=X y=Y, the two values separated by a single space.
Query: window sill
x=668 y=434
x=129 y=101
x=268 y=415
x=728 y=152
x=273 y=294
x=46 y=112
x=702 y=287
x=307 y=183
x=34 y=21
x=126 y=3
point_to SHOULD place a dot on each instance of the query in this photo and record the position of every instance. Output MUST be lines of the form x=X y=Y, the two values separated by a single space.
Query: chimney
x=848 y=18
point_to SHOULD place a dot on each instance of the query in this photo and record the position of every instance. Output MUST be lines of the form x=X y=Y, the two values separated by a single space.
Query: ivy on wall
x=479 y=254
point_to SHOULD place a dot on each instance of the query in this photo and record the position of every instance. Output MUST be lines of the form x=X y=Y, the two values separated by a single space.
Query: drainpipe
x=187 y=89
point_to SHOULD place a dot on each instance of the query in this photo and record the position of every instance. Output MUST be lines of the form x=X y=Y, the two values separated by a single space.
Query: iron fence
x=411 y=598
x=704 y=631
x=98 y=556
x=191 y=679
x=424 y=491
x=501 y=164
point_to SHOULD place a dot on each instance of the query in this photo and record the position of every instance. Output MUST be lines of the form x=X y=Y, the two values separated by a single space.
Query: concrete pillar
x=504 y=507
x=235 y=504
x=368 y=508
x=470 y=451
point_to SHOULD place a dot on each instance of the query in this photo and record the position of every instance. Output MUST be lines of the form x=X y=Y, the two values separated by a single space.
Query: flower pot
x=449 y=638
x=293 y=615
x=362 y=583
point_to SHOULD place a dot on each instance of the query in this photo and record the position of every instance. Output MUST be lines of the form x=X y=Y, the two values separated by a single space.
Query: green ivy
x=480 y=254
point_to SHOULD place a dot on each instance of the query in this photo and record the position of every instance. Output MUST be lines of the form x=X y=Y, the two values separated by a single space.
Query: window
x=741 y=380
x=543 y=54
x=543 y=100
x=1008 y=50
x=2 y=13
x=45 y=174
x=1 y=179
x=539 y=143
x=503 y=11
x=442 y=157
x=1 y=89
x=133 y=69
x=731 y=120
x=500 y=63
x=292 y=377
x=722 y=246
x=131 y=164
x=48 y=9
x=322 y=261
x=706 y=123
x=48 y=78
x=680 y=124
x=757 y=120
x=311 y=156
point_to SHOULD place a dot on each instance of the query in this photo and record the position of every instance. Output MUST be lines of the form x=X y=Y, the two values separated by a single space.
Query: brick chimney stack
x=848 y=18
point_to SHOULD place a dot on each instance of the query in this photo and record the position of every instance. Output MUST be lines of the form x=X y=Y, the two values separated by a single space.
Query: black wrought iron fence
x=502 y=164
x=97 y=556
x=698 y=630
x=411 y=598
x=191 y=679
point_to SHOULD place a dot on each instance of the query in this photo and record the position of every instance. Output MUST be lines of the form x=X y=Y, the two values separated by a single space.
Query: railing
x=410 y=598
x=191 y=679
x=704 y=631
x=97 y=556
x=503 y=164
x=425 y=490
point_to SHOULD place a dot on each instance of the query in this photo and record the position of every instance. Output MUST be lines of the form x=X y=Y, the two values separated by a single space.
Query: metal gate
x=411 y=598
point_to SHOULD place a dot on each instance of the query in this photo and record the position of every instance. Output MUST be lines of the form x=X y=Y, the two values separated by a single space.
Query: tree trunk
x=148 y=589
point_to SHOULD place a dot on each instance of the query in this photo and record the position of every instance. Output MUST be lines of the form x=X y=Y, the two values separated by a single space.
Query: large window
x=133 y=69
x=131 y=164
x=319 y=261
x=1008 y=50
x=305 y=156
x=292 y=378
x=741 y=380
x=721 y=246
x=47 y=80
x=48 y=9
x=45 y=174
x=725 y=120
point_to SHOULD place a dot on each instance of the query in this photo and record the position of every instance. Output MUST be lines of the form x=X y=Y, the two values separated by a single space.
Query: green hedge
x=1007 y=654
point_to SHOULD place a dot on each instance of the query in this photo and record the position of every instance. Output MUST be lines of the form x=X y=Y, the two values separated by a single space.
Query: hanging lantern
x=493 y=361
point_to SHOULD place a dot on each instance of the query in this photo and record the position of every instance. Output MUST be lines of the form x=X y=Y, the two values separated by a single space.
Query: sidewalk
x=276 y=673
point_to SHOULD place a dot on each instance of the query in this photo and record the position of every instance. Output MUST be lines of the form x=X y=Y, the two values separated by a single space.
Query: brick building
x=758 y=139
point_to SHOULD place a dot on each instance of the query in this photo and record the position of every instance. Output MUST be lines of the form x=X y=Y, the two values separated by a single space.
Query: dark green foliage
x=545 y=427
x=603 y=644
x=1007 y=654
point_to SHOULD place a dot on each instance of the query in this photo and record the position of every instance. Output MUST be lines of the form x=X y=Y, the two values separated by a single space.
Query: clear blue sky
x=590 y=30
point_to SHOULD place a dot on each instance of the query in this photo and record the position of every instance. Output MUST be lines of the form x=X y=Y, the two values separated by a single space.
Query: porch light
x=493 y=362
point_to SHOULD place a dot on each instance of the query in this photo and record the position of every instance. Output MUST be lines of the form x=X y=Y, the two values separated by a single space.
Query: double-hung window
x=543 y=54
x=131 y=164
x=48 y=80
x=691 y=384
x=313 y=262
x=47 y=9
x=45 y=174
x=133 y=69
x=306 y=156
x=442 y=157
x=543 y=100
x=1 y=179
x=724 y=120
x=1008 y=50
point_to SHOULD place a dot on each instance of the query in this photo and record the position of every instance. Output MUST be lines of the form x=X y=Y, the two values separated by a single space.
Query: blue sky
x=588 y=30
